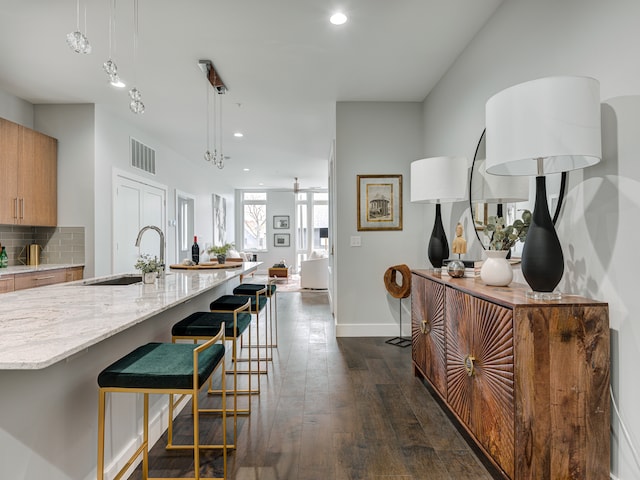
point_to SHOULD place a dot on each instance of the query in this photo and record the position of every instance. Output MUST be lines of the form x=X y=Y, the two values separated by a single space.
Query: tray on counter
x=206 y=266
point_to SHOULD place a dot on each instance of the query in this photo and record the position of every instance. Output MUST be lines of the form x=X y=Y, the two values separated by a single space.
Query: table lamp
x=539 y=127
x=438 y=180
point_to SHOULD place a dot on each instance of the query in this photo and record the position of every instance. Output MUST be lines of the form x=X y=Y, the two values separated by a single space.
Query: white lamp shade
x=556 y=119
x=439 y=180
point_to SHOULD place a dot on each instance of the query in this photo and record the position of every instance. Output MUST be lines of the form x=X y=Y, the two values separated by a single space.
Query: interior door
x=185 y=209
x=136 y=204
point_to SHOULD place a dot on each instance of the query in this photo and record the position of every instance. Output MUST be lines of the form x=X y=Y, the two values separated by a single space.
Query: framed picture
x=281 y=221
x=281 y=239
x=480 y=216
x=219 y=219
x=379 y=202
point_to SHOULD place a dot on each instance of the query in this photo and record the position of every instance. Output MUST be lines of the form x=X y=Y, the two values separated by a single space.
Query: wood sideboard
x=528 y=380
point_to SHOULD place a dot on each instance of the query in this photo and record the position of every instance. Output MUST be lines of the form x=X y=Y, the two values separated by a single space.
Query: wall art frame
x=281 y=222
x=281 y=240
x=379 y=201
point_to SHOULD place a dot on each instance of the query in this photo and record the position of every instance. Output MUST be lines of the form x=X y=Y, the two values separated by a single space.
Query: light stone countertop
x=44 y=325
x=17 y=269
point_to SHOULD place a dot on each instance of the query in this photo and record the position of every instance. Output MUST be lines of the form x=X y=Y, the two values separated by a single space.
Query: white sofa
x=314 y=273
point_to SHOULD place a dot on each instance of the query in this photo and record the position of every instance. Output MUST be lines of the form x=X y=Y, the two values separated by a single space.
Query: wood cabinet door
x=37 y=178
x=74 y=273
x=8 y=172
x=480 y=372
x=418 y=318
x=459 y=314
x=428 y=331
x=6 y=283
x=493 y=382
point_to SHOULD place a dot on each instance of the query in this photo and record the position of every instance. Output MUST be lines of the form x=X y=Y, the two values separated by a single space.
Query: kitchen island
x=54 y=341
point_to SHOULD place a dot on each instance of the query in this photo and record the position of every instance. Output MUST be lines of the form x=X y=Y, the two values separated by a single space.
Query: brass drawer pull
x=425 y=327
x=468 y=364
x=37 y=279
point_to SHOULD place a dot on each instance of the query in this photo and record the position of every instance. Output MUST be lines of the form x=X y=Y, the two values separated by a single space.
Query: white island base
x=49 y=406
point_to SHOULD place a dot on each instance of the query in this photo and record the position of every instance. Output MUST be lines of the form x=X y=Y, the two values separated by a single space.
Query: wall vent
x=143 y=157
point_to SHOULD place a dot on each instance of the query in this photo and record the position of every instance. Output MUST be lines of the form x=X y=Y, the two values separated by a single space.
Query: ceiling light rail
x=212 y=75
x=216 y=157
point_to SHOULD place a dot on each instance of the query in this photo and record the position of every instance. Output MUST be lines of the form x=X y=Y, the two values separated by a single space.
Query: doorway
x=185 y=213
x=137 y=203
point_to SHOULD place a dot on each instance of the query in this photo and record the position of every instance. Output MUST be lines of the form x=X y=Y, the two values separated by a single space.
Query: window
x=312 y=219
x=254 y=220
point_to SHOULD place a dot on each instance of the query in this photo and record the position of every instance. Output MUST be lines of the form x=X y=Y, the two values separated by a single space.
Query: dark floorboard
x=330 y=408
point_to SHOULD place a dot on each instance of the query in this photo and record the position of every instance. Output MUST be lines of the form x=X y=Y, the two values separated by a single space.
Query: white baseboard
x=371 y=330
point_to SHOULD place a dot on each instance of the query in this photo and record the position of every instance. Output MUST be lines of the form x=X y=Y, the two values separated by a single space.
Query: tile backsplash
x=59 y=244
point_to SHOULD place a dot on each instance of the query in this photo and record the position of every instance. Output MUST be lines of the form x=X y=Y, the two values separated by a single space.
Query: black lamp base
x=542 y=258
x=438 y=246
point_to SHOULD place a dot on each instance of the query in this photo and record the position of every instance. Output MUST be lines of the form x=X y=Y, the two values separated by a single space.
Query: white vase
x=149 y=277
x=496 y=269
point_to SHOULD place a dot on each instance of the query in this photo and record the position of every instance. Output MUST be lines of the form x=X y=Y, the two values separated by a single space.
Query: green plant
x=220 y=249
x=505 y=236
x=147 y=264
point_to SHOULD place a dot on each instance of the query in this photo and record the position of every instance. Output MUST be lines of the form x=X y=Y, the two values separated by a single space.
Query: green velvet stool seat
x=204 y=325
x=164 y=368
x=271 y=323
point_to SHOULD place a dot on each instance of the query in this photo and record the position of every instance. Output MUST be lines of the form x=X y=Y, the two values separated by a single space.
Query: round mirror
x=506 y=196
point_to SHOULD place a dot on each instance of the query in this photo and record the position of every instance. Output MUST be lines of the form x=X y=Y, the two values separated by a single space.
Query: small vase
x=221 y=258
x=149 y=277
x=496 y=269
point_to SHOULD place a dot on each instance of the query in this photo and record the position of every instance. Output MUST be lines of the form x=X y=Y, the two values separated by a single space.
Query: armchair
x=314 y=273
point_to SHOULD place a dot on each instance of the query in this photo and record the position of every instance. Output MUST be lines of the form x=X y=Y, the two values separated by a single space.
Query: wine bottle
x=195 y=251
x=4 y=259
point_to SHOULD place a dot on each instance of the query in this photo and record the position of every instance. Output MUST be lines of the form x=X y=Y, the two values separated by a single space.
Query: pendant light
x=78 y=41
x=110 y=67
x=135 y=104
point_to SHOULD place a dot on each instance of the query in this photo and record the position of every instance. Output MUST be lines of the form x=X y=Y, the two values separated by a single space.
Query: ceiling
x=284 y=64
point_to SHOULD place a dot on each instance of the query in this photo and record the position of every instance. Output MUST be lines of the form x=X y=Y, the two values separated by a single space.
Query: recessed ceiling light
x=338 y=18
x=246 y=169
x=238 y=134
x=118 y=83
x=261 y=184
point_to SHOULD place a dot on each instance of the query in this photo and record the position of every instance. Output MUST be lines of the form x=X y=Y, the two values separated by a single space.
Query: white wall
x=16 y=110
x=375 y=138
x=598 y=229
x=73 y=126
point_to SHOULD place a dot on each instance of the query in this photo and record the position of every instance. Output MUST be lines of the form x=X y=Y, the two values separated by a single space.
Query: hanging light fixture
x=77 y=41
x=110 y=67
x=216 y=157
x=296 y=185
x=135 y=104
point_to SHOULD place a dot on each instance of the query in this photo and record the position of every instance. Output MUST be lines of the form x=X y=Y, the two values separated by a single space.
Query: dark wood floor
x=333 y=408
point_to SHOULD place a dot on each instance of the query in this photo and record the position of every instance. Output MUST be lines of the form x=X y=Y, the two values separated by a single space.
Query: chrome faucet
x=153 y=227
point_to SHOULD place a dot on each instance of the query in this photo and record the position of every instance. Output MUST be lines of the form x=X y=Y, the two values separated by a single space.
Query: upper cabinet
x=28 y=175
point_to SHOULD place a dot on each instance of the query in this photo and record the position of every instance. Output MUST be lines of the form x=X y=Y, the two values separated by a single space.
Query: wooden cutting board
x=206 y=266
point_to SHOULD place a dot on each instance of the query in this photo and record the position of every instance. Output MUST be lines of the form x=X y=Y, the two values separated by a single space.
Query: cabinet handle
x=22 y=209
x=425 y=327
x=468 y=364
x=44 y=278
x=15 y=208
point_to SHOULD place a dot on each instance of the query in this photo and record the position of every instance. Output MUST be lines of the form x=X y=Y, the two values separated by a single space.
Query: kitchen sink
x=121 y=280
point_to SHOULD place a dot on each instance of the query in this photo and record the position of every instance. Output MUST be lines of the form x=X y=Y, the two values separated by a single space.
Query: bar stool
x=203 y=326
x=227 y=303
x=270 y=290
x=164 y=368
